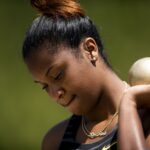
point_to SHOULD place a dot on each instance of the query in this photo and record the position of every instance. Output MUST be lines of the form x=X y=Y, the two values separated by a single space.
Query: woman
x=64 y=53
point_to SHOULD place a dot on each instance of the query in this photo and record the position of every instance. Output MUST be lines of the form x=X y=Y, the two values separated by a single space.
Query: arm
x=130 y=134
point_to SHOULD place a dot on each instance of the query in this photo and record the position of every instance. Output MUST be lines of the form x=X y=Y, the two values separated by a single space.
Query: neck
x=109 y=101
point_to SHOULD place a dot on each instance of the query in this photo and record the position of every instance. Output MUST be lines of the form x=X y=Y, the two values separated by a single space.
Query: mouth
x=69 y=102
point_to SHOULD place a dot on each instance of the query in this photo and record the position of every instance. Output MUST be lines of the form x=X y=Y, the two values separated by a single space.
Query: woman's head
x=61 y=50
x=73 y=83
x=62 y=22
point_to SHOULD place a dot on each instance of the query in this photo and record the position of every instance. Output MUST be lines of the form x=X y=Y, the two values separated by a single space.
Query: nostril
x=56 y=92
x=60 y=94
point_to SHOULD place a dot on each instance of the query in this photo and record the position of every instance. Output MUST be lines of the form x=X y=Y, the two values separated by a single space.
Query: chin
x=77 y=110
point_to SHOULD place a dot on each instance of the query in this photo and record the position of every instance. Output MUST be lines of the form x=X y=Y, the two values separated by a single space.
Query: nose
x=60 y=94
x=57 y=93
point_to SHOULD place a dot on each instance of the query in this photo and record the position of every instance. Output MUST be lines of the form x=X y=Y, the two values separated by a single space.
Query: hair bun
x=63 y=8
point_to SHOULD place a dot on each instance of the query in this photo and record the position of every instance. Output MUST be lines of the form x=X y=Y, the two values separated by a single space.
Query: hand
x=130 y=130
x=137 y=96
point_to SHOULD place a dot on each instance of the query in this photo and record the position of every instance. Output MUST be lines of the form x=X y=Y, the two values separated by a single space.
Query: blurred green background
x=26 y=112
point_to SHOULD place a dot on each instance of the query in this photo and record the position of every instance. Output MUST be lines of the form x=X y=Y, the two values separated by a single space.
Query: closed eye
x=59 y=75
x=44 y=87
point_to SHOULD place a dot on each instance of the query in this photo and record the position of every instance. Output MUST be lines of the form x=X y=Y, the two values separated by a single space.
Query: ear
x=90 y=49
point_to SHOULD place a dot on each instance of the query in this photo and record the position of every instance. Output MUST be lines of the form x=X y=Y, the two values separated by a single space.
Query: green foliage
x=26 y=112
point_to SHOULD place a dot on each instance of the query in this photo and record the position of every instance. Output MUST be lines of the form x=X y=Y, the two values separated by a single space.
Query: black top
x=109 y=142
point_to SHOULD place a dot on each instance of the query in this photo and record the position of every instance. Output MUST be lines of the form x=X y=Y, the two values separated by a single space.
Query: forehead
x=39 y=61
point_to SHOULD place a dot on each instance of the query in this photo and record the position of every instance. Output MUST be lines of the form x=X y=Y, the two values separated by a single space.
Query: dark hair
x=61 y=22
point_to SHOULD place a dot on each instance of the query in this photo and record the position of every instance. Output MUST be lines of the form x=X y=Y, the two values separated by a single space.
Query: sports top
x=109 y=142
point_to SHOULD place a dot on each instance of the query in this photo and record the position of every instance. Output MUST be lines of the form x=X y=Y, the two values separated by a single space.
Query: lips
x=69 y=102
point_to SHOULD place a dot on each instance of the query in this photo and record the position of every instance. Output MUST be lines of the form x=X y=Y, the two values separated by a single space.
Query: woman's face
x=72 y=82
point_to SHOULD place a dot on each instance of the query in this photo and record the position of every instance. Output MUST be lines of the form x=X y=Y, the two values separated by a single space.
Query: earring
x=93 y=61
x=94 y=58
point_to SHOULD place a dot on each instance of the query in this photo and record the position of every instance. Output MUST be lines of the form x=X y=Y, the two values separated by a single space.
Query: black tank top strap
x=69 y=143
x=68 y=140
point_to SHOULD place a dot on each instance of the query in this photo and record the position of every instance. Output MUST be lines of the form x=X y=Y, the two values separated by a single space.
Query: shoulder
x=53 y=137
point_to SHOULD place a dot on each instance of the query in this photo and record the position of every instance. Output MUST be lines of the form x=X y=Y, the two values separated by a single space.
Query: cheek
x=85 y=101
x=82 y=82
x=87 y=90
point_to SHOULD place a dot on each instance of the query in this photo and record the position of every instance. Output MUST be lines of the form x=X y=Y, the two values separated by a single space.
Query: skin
x=130 y=124
x=85 y=86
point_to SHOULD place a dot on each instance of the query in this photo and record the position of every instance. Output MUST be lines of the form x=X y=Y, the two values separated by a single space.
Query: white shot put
x=139 y=72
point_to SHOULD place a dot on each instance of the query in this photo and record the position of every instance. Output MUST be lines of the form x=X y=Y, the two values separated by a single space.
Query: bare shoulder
x=53 y=137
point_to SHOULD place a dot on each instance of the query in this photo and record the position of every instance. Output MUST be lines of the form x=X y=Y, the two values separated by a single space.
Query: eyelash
x=58 y=77
x=44 y=87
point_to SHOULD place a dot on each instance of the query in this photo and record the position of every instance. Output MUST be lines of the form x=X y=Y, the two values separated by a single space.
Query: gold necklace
x=101 y=133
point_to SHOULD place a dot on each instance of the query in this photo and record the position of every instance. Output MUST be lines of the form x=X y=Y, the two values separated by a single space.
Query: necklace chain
x=103 y=132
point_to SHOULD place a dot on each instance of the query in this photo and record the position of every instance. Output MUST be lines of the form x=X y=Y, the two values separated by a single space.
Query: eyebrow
x=46 y=74
x=48 y=70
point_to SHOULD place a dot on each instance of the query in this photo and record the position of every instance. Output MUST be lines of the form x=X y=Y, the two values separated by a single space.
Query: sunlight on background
x=27 y=112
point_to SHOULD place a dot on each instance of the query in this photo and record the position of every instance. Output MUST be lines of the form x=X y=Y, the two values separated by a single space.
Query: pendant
x=94 y=135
